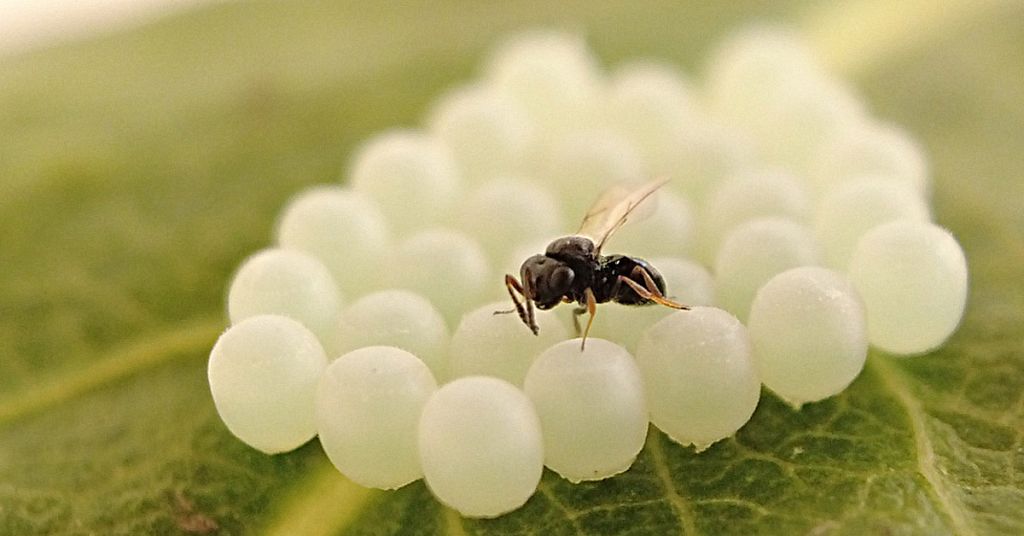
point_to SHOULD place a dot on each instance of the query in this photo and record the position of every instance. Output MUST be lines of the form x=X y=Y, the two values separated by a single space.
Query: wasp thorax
x=576 y=247
x=546 y=280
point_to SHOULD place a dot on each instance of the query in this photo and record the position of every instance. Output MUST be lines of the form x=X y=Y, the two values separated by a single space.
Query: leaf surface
x=138 y=169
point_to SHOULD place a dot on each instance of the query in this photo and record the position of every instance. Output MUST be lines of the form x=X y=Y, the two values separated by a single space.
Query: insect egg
x=553 y=76
x=488 y=133
x=747 y=196
x=411 y=176
x=591 y=407
x=584 y=163
x=652 y=105
x=368 y=405
x=804 y=115
x=592 y=192
x=808 y=333
x=913 y=278
x=746 y=69
x=263 y=373
x=701 y=383
x=688 y=282
x=398 y=318
x=754 y=252
x=852 y=209
x=497 y=345
x=873 y=150
x=480 y=445
x=486 y=212
x=289 y=283
x=447 y=267
x=343 y=229
x=668 y=230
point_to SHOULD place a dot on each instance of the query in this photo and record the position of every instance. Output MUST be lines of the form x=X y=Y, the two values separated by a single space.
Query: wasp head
x=546 y=280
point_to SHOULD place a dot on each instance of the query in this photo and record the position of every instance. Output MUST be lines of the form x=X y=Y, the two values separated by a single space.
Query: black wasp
x=572 y=268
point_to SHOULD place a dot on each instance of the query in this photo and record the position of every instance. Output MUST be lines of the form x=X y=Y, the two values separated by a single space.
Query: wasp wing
x=614 y=208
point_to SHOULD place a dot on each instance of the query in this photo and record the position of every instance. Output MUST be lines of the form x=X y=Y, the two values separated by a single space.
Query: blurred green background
x=138 y=168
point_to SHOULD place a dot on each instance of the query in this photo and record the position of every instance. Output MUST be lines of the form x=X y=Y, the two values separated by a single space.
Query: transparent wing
x=615 y=207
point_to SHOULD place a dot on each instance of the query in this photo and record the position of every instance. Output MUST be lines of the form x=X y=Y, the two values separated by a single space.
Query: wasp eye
x=562 y=278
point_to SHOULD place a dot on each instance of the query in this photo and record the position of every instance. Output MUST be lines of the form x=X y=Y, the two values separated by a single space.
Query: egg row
x=911 y=273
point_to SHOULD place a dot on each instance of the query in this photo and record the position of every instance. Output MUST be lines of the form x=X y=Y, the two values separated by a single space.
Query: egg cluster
x=797 y=225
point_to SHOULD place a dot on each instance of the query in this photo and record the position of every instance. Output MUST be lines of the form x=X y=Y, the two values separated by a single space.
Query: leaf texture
x=138 y=169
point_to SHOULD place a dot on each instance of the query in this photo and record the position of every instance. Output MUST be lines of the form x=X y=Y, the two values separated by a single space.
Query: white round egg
x=746 y=68
x=873 y=150
x=766 y=81
x=500 y=345
x=289 y=283
x=507 y=211
x=807 y=327
x=700 y=379
x=591 y=407
x=342 y=228
x=854 y=208
x=263 y=373
x=411 y=176
x=446 y=266
x=668 y=230
x=651 y=104
x=480 y=446
x=802 y=117
x=753 y=253
x=709 y=152
x=399 y=318
x=488 y=133
x=746 y=196
x=552 y=75
x=687 y=282
x=368 y=407
x=582 y=165
x=912 y=276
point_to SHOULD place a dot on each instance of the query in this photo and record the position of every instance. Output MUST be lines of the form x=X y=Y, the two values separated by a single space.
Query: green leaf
x=138 y=169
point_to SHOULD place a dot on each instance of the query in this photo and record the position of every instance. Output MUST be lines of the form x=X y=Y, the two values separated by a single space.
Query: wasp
x=573 y=270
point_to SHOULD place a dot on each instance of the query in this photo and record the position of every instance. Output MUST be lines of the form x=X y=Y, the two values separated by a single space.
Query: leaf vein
x=893 y=380
x=131 y=359
x=679 y=505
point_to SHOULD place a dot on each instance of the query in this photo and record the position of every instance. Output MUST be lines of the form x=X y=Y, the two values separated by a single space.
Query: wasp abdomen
x=607 y=275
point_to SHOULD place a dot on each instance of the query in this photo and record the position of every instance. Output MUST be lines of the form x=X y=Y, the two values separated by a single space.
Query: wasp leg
x=525 y=314
x=592 y=309
x=576 y=319
x=651 y=291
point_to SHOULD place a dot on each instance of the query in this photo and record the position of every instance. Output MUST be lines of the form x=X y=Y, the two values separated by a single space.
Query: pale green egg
x=500 y=345
x=753 y=253
x=480 y=446
x=342 y=228
x=289 y=283
x=591 y=406
x=700 y=379
x=807 y=326
x=368 y=406
x=395 y=317
x=912 y=276
x=263 y=373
